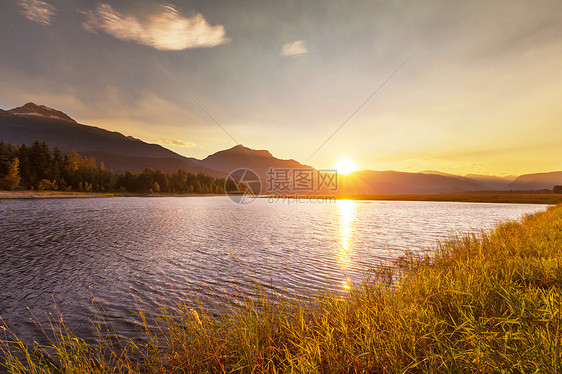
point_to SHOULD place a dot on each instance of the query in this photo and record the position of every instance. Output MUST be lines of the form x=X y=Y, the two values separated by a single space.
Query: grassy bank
x=53 y=194
x=468 y=198
x=488 y=303
x=27 y=194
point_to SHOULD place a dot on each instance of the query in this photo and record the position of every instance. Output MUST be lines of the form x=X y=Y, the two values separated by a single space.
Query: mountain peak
x=239 y=148
x=32 y=109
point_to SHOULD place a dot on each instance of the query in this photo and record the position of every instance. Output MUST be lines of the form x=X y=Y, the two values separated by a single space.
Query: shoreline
x=551 y=199
x=524 y=198
x=47 y=195
x=76 y=195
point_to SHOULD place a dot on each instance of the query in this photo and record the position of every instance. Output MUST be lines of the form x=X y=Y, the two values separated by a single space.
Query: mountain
x=281 y=172
x=488 y=182
x=394 y=182
x=31 y=122
x=492 y=182
x=32 y=109
x=364 y=182
x=435 y=172
x=536 y=181
x=239 y=156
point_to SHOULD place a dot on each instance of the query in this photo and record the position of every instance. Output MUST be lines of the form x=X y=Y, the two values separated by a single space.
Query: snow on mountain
x=32 y=109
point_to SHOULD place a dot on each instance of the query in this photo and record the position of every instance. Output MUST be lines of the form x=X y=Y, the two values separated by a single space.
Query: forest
x=36 y=167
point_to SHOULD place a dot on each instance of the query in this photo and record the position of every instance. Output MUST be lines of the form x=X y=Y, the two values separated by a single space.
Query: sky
x=455 y=86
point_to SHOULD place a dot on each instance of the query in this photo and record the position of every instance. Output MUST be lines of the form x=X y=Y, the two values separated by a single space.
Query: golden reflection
x=347 y=211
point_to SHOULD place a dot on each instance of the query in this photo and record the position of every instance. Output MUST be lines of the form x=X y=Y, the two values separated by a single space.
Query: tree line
x=38 y=168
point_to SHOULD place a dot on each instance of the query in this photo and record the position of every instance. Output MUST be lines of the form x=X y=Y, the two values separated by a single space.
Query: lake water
x=127 y=253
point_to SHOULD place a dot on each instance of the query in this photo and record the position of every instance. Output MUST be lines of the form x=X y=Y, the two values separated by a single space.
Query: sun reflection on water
x=347 y=212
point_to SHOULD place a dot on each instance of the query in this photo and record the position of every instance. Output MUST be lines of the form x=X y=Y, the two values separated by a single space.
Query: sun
x=345 y=166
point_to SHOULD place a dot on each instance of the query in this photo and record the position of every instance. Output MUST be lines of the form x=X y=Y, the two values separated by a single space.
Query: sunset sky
x=480 y=93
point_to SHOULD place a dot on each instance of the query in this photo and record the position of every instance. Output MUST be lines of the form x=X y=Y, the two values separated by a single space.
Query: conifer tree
x=12 y=180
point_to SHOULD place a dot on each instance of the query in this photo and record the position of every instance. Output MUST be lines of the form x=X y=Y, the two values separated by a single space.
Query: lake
x=82 y=256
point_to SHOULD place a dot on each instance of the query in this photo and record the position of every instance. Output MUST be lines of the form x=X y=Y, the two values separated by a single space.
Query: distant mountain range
x=31 y=122
x=536 y=181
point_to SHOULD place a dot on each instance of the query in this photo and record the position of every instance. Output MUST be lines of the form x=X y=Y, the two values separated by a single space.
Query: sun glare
x=345 y=166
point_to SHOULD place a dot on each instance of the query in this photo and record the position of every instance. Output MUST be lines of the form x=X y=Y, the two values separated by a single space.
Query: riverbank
x=469 y=198
x=507 y=198
x=76 y=194
x=510 y=198
x=48 y=195
x=489 y=303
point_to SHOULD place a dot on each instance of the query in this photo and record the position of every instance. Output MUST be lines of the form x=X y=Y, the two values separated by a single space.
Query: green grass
x=480 y=303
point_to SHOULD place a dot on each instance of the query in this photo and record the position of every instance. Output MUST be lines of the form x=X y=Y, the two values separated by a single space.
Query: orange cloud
x=37 y=11
x=176 y=142
x=164 y=30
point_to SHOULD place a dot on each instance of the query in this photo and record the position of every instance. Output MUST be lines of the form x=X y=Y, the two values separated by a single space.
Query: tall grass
x=478 y=303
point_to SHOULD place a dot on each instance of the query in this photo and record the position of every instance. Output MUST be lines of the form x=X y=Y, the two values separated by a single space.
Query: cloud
x=164 y=30
x=294 y=49
x=176 y=142
x=37 y=11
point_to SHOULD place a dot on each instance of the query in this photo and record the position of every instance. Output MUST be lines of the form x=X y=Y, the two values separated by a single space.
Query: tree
x=40 y=162
x=71 y=161
x=4 y=158
x=57 y=164
x=197 y=186
x=70 y=169
x=25 y=165
x=12 y=179
x=44 y=185
x=37 y=167
x=557 y=189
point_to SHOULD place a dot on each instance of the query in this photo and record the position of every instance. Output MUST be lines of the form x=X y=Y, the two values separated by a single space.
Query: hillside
x=537 y=181
x=492 y=182
x=394 y=182
x=32 y=122
x=240 y=156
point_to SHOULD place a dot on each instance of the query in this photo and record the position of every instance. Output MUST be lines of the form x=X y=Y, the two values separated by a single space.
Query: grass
x=478 y=303
x=469 y=198
x=30 y=194
x=23 y=194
